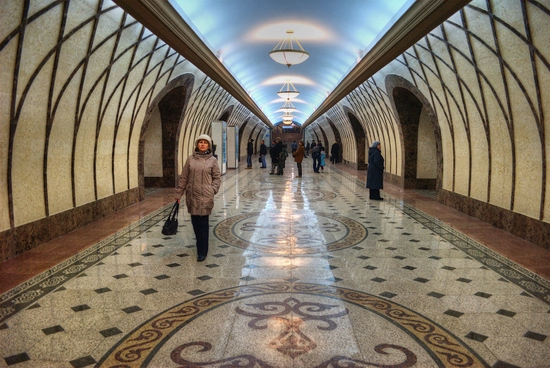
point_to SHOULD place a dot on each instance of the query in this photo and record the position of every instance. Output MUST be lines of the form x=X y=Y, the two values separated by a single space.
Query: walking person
x=307 y=149
x=375 y=172
x=275 y=151
x=282 y=159
x=316 y=156
x=200 y=180
x=263 y=152
x=322 y=156
x=299 y=157
x=249 y=152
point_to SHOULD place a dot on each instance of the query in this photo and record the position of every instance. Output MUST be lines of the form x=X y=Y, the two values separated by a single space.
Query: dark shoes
x=201 y=258
x=377 y=199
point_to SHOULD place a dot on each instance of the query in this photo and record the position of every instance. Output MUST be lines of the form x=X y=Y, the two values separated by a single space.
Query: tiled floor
x=301 y=273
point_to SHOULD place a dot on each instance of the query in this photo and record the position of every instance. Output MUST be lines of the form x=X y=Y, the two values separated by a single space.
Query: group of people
x=200 y=177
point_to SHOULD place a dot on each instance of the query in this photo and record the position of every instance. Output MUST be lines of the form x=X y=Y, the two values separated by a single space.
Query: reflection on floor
x=302 y=272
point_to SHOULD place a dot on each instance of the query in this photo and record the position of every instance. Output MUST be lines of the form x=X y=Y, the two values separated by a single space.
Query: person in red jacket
x=200 y=180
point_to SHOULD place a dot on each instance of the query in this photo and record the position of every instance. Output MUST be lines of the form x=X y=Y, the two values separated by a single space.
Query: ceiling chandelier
x=288 y=107
x=285 y=53
x=288 y=91
x=287 y=118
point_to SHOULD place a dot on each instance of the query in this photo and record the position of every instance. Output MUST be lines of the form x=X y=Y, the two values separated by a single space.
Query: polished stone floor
x=302 y=272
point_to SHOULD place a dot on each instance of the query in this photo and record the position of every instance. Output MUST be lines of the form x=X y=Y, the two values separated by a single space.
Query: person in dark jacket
x=249 y=152
x=263 y=152
x=275 y=152
x=316 y=156
x=200 y=180
x=375 y=172
x=334 y=153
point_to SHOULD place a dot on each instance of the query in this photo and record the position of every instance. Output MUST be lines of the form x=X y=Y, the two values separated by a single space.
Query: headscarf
x=375 y=144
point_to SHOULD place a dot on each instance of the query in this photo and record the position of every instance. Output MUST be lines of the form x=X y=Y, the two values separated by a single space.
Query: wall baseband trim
x=528 y=228
x=23 y=238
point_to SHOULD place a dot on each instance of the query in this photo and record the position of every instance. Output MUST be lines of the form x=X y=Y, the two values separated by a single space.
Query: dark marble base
x=26 y=237
x=158 y=182
x=533 y=230
x=394 y=179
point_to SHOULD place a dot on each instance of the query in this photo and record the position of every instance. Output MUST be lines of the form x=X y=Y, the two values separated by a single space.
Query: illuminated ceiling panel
x=335 y=33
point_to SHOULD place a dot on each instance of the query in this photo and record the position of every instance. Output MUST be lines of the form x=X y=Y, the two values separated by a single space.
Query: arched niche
x=360 y=139
x=422 y=157
x=226 y=114
x=337 y=137
x=160 y=132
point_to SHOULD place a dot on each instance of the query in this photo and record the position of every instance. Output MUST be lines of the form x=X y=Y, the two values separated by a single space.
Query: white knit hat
x=205 y=137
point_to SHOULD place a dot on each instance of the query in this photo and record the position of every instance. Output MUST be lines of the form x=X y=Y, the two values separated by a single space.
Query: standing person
x=249 y=152
x=282 y=159
x=375 y=172
x=200 y=180
x=322 y=157
x=334 y=153
x=299 y=157
x=316 y=156
x=263 y=152
x=307 y=149
x=277 y=147
x=294 y=146
x=313 y=144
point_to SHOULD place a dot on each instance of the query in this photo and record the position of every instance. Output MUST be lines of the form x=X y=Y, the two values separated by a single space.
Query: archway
x=360 y=144
x=159 y=134
x=420 y=135
x=338 y=139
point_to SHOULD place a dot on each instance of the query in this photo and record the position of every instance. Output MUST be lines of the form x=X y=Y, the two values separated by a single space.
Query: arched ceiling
x=347 y=41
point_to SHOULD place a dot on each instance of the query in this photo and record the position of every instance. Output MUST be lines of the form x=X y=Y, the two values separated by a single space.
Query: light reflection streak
x=295 y=216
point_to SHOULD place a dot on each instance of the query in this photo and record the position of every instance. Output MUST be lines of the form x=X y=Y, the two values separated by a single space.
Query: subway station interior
x=101 y=103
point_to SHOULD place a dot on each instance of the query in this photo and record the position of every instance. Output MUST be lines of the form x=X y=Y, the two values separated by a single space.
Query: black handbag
x=171 y=224
x=259 y=159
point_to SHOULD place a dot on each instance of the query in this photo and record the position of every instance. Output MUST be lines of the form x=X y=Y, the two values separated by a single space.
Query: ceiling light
x=288 y=107
x=287 y=122
x=285 y=53
x=288 y=91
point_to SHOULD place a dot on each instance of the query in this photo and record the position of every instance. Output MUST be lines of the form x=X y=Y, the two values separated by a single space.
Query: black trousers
x=299 y=165
x=374 y=194
x=202 y=231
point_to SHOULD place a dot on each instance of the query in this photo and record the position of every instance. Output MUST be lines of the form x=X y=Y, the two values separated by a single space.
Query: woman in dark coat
x=375 y=172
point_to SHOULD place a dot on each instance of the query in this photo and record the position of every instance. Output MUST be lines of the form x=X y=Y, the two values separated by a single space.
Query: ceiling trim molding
x=161 y=18
x=419 y=20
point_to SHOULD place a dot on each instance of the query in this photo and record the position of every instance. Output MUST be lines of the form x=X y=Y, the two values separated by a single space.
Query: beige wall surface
x=74 y=108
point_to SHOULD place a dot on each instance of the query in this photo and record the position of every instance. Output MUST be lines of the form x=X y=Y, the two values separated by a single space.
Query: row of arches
x=417 y=130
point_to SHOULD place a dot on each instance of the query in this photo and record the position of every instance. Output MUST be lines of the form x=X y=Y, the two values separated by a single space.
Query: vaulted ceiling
x=347 y=41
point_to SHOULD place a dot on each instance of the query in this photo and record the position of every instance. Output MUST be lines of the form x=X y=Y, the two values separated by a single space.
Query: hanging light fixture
x=287 y=122
x=287 y=116
x=288 y=107
x=285 y=53
x=288 y=91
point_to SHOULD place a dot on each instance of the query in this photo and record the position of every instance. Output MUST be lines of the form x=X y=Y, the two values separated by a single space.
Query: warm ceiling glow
x=302 y=30
x=284 y=78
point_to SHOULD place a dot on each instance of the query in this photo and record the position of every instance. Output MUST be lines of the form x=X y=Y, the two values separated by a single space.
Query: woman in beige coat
x=200 y=180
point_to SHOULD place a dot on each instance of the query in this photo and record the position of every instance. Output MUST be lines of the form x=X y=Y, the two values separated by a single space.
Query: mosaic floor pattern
x=301 y=273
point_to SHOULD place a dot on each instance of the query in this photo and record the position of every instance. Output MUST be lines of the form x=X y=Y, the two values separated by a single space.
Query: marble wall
x=483 y=81
x=81 y=80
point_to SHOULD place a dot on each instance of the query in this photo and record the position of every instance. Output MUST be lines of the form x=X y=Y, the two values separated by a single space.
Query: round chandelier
x=288 y=91
x=287 y=118
x=285 y=53
x=288 y=107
